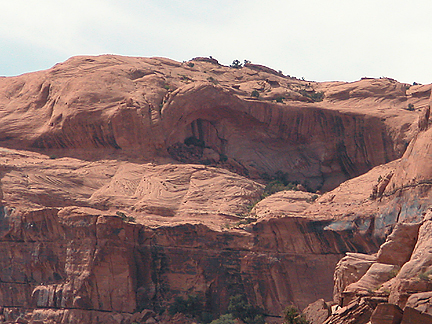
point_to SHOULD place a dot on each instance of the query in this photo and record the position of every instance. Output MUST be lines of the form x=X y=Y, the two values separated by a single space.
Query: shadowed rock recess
x=126 y=183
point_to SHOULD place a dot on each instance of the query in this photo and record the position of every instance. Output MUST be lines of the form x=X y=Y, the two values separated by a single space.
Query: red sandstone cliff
x=394 y=285
x=125 y=182
x=144 y=107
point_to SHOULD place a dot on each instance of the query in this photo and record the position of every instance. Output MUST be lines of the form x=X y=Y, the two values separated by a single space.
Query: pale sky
x=321 y=40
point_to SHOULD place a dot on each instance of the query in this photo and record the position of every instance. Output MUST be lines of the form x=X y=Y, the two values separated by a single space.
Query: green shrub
x=190 y=64
x=206 y=317
x=124 y=217
x=282 y=177
x=292 y=315
x=191 y=306
x=224 y=319
x=425 y=276
x=223 y=157
x=245 y=221
x=193 y=141
x=276 y=183
x=255 y=94
x=312 y=199
x=273 y=187
x=258 y=319
x=212 y=80
x=236 y=64
x=280 y=99
x=265 y=176
x=185 y=77
x=315 y=96
x=276 y=186
x=240 y=308
x=410 y=107
x=393 y=273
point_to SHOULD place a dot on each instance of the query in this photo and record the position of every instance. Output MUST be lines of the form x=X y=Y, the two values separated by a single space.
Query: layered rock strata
x=394 y=283
x=318 y=133
x=127 y=182
x=67 y=259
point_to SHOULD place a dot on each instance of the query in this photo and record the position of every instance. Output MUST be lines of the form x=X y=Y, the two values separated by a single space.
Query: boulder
x=421 y=302
x=372 y=280
x=386 y=314
x=399 y=244
x=349 y=270
x=414 y=276
x=358 y=311
x=145 y=316
x=413 y=316
x=317 y=312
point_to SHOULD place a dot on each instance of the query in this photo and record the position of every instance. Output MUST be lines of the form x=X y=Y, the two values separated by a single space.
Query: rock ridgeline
x=249 y=116
x=128 y=182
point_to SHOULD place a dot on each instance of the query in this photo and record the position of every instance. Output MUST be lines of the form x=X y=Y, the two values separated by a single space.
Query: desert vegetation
x=313 y=95
x=292 y=315
x=239 y=308
x=236 y=64
x=255 y=94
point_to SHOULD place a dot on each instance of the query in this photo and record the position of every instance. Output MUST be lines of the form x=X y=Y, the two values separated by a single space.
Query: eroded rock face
x=77 y=265
x=107 y=243
x=97 y=262
x=421 y=302
x=103 y=215
x=387 y=314
x=147 y=107
x=399 y=245
x=398 y=281
x=349 y=270
x=357 y=312
x=407 y=289
x=317 y=312
x=119 y=237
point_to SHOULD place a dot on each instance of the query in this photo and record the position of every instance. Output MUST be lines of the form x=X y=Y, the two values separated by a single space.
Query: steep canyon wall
x=126 y=182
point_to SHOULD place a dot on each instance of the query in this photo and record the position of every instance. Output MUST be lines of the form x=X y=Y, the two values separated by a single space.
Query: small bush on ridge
x=236 y=64
x=255 y=94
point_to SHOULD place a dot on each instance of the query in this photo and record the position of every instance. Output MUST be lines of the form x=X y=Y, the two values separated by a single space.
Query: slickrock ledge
x=126 y=182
